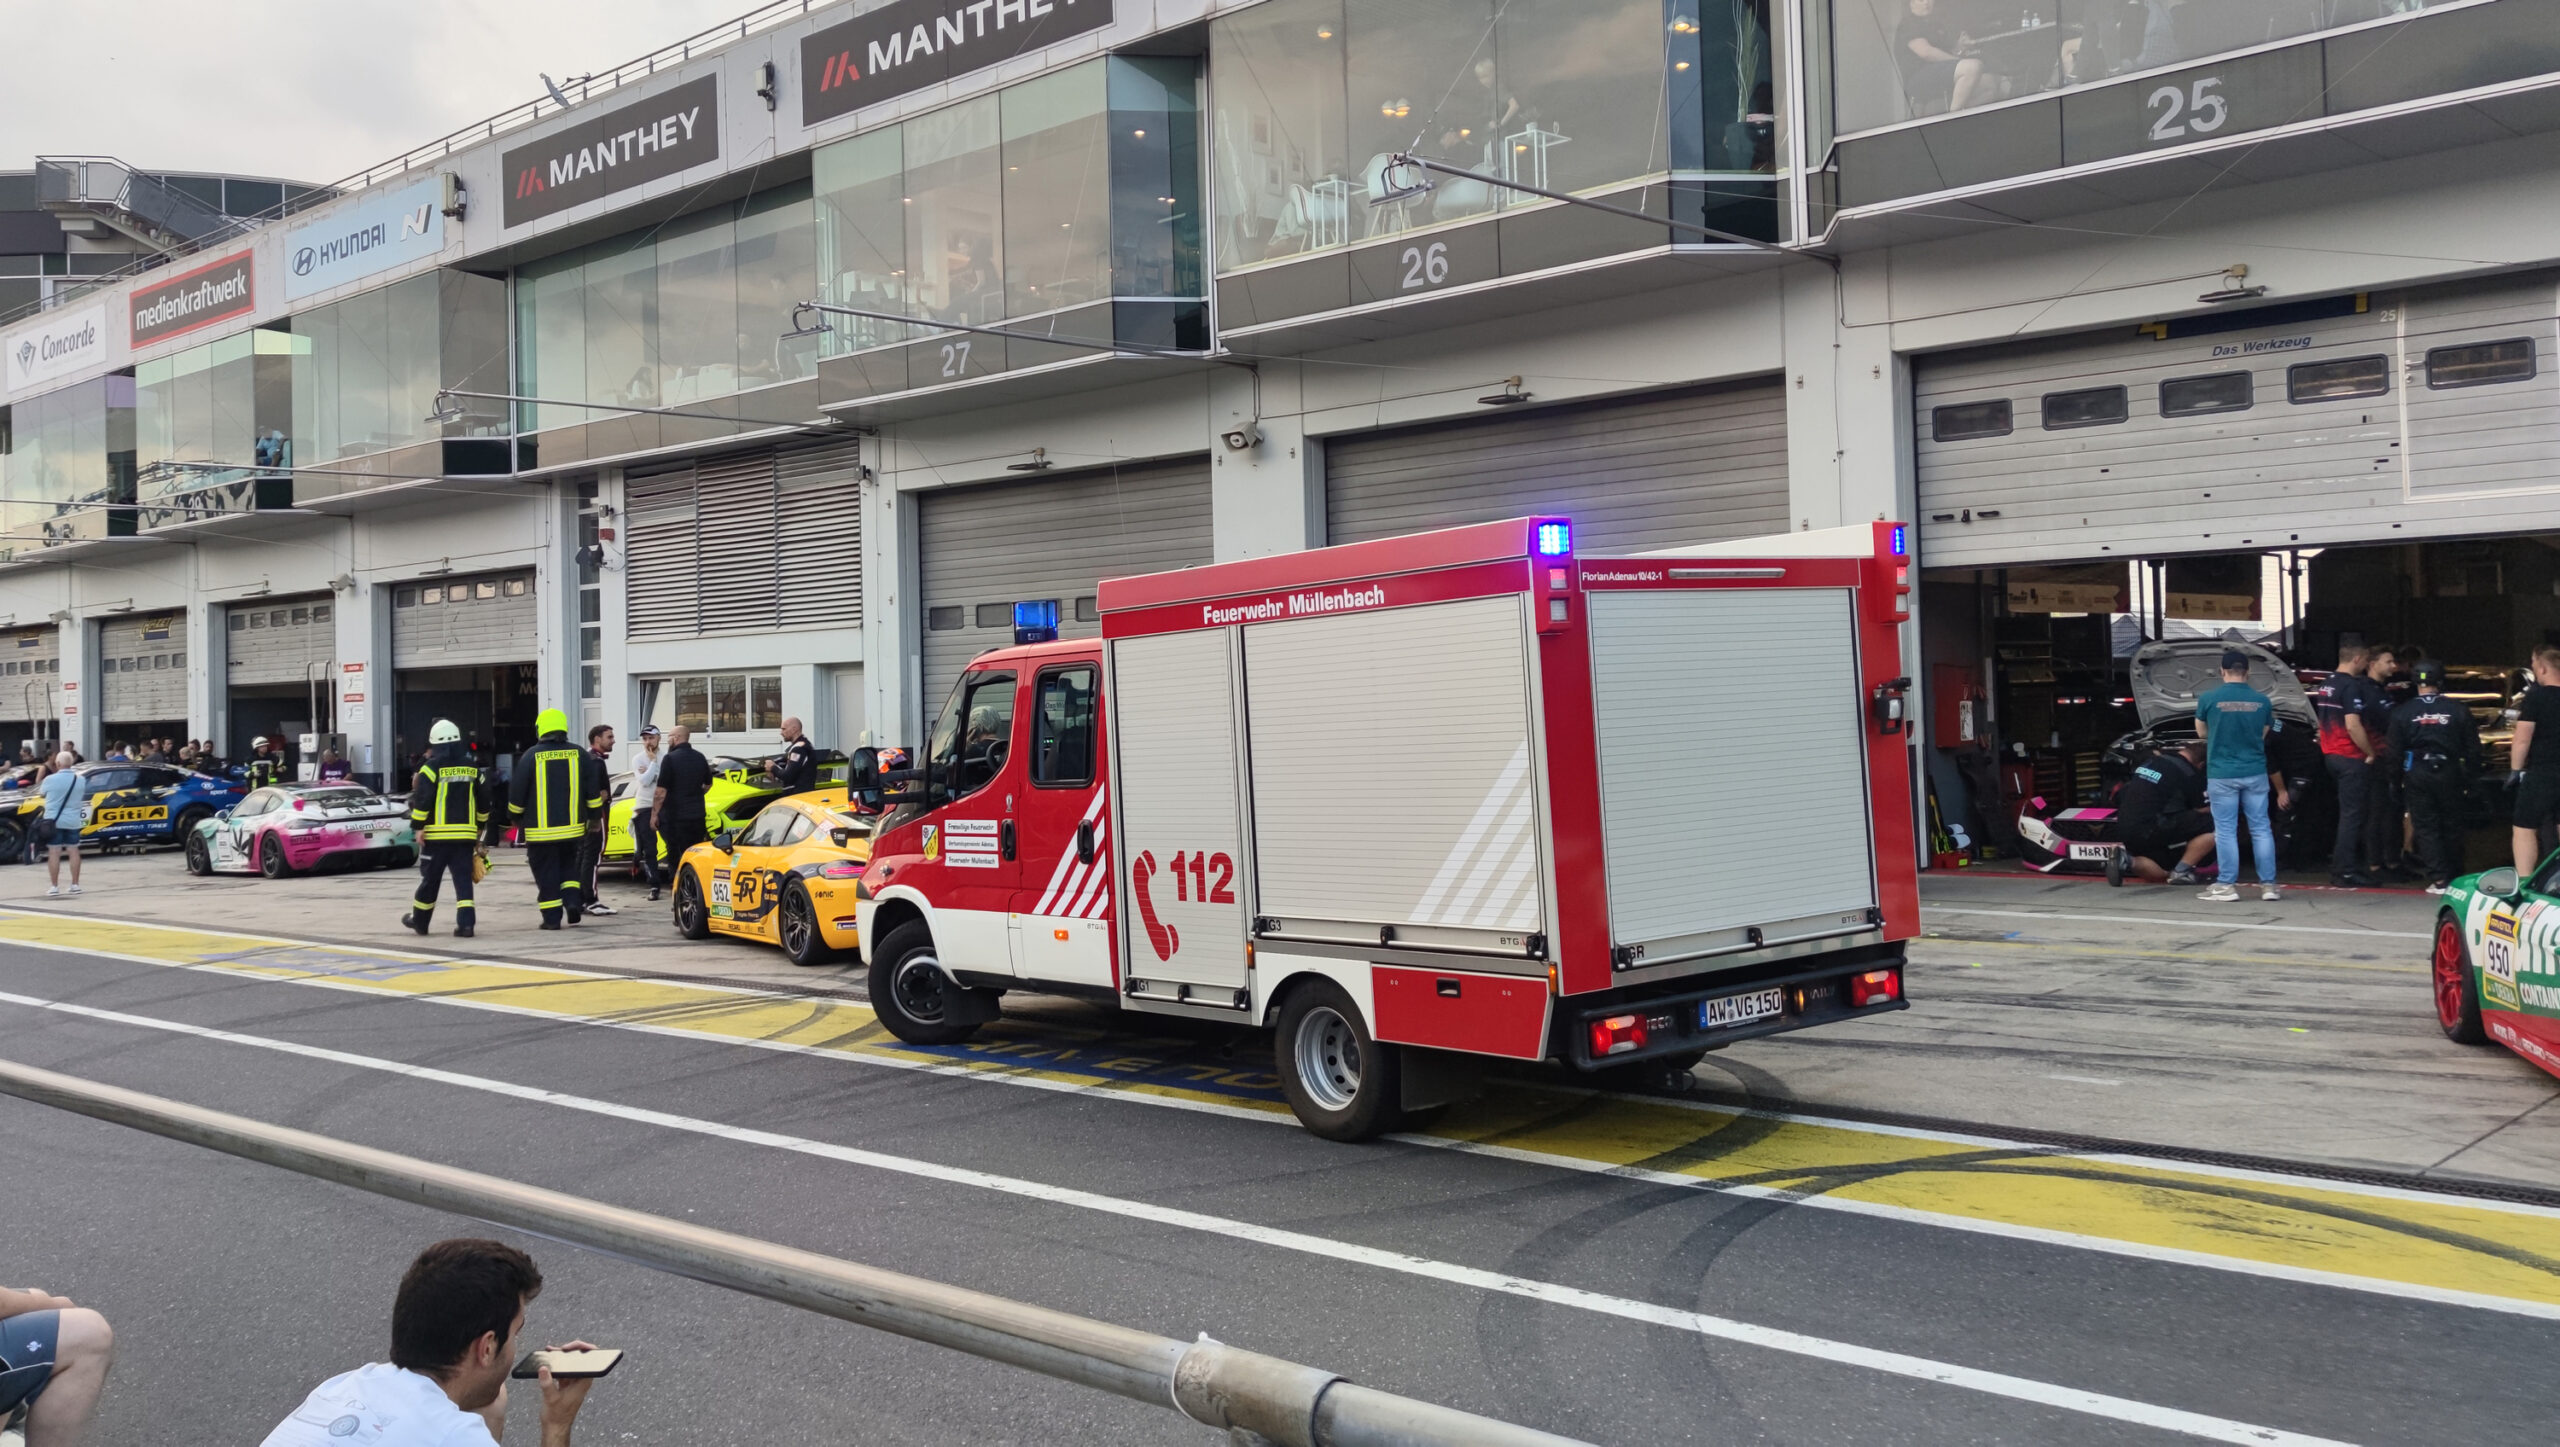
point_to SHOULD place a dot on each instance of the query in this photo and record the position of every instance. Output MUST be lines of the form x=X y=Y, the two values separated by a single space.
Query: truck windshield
x=974 y=734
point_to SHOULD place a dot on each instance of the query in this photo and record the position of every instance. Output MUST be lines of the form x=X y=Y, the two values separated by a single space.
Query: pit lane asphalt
x=236 y=1286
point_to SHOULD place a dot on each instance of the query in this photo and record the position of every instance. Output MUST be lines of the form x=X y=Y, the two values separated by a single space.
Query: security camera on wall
x=1242 y=438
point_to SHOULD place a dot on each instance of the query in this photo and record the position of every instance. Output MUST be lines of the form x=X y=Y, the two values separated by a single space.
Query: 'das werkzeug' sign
x=617 y=150
x=912 y=44
x=56 y=344
x=199 y=297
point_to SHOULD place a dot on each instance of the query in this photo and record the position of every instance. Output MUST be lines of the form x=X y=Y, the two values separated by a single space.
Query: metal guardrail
x=1258 y=1400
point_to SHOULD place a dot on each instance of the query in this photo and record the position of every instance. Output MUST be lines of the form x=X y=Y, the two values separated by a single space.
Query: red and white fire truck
x=1425 y=801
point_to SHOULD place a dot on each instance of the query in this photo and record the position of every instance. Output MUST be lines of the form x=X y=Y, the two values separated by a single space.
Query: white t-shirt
x=379 y=1405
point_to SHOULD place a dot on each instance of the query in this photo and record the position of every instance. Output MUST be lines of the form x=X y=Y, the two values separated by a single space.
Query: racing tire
x=692 y=915
x=199 y=855
x=188 y=819
x=402 y=859
x=803 y=941
x=911 y=994
x=2457 y=987
x=1340 y=1081
x=13 y=842
x=271 y=861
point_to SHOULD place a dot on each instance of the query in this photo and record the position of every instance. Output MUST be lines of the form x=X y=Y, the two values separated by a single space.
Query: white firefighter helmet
x=445 y=731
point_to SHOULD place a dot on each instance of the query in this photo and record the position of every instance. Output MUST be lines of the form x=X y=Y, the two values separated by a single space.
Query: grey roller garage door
x=986 y=548
x=1644 y=472
x=747 y=542
x=142 y=667
x=455 y=622
x=279 y=640
x=30 y=671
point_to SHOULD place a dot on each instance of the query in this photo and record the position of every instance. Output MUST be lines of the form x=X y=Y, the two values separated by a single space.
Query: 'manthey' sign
x=617 y=150
x=915 y=43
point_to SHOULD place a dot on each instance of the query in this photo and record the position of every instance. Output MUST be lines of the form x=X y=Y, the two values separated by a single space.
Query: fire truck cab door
x=1061 y=921
x=975 y=755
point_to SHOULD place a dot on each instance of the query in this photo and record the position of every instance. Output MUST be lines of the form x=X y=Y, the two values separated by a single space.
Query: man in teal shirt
x=2235 y=720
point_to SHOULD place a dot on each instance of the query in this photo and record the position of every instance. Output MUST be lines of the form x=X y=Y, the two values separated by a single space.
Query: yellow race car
x=787 y=879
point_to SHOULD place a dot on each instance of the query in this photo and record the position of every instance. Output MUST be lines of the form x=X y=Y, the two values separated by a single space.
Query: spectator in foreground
x=2235 y=720
x=454 y=1336
x=53 y=1360
x=66 y=808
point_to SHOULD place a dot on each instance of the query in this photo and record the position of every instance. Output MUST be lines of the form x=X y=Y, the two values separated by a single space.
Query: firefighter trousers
x=437 y=858
x=2435 y=815
x=555 y=877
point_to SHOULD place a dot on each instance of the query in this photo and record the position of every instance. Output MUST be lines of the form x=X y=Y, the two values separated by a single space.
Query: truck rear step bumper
x=1813 y=992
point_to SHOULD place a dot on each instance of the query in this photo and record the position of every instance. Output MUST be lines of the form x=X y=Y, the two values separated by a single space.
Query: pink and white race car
x=284 y=828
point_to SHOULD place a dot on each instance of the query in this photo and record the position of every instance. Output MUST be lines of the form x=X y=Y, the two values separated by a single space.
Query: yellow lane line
x=2426 y=1243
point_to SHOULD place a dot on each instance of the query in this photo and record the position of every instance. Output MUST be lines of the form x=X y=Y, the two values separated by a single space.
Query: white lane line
x=2180 y=922
x=1578 y=1165
x=1998 y=1384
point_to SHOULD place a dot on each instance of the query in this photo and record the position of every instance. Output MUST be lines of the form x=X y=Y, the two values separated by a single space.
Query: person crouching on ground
x=2161 y=819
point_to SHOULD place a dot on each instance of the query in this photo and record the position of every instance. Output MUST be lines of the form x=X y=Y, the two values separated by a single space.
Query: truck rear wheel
x=1340 y=1082
x=914 y=998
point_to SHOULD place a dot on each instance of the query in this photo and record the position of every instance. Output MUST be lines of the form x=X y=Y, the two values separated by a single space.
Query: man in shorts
x=2161 y=819
x=2534 y=755
x=65 y=808
x=53 y=1362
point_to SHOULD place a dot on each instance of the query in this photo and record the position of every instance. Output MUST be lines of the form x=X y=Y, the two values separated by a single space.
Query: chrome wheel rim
x=1328 y=1054
x=918 y=987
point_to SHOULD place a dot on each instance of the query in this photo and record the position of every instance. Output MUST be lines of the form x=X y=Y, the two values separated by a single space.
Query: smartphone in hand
x=568 y=1366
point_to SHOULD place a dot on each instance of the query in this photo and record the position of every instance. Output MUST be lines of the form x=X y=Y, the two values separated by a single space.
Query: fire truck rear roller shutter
x=1732 y=766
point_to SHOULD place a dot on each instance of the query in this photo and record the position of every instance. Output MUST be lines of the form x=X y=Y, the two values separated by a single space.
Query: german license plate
x=1742 y=1009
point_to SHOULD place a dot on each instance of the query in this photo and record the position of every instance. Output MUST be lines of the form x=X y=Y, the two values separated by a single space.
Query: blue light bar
x=1901 y=541
x=1555 y=539
x=1035 y=621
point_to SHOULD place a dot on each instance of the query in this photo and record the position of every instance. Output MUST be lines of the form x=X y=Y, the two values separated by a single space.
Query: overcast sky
x=312 y=90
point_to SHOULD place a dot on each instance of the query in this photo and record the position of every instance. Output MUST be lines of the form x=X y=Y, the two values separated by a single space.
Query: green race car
x=2496 y=962
x=737 y=794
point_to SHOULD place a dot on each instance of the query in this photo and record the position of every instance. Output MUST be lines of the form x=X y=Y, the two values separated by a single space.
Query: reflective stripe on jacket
x=445 y=802
x=555 y=791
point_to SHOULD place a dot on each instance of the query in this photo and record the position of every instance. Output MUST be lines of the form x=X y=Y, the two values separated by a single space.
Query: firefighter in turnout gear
x=265 y=766
x=555 y=791
x=2437 y=746
x=445 y=810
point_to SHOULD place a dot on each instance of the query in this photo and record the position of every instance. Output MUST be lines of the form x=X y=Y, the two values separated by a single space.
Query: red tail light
x=1617 y=1035
x=1875 y=987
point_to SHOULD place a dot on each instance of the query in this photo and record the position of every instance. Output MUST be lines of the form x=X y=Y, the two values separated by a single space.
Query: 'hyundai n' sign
x=619 y=149
x=197 y=297
x=373 y=233
x=910 y=44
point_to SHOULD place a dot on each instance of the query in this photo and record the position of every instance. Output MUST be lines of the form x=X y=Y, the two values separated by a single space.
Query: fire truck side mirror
x=1885 y=705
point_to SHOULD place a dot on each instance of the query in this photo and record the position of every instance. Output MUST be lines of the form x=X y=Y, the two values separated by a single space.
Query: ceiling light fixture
x=1511 y=395
x=1039 y=462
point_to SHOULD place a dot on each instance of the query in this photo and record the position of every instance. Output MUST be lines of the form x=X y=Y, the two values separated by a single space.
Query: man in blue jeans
x=2235 y=720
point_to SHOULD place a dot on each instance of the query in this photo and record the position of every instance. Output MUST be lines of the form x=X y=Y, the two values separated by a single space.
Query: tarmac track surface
x=1620 y=1269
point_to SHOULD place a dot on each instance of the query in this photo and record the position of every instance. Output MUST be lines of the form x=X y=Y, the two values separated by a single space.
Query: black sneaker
x=653 y=894
x=2183 y=874
x=2115 y=869
x=2352 y=881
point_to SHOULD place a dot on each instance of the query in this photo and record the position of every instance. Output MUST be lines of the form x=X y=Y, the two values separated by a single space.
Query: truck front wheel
x=915 y=999
x=1342 y=1084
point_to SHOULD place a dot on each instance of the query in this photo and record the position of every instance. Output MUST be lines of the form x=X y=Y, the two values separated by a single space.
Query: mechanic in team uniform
x=2346 y=702
x=2161 y=819
x=796 y=767
x=555 y=791
x=446 y=811
x=2438 y=749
